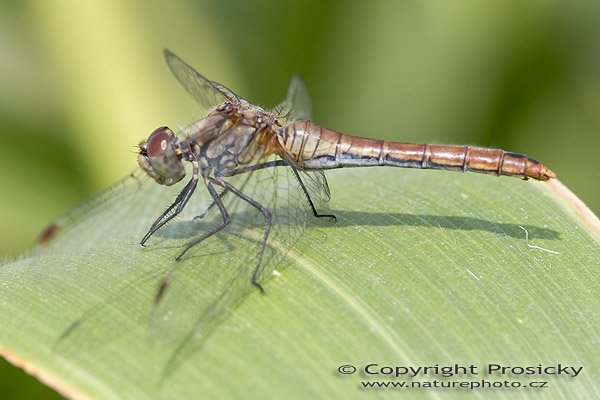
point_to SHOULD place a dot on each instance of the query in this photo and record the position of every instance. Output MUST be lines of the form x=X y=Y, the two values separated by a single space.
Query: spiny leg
x=250 y=168
x=178 y=204
x=310 y=202
x=226 y=218
x=283 y=163
x=203 y=213
x=268 y=222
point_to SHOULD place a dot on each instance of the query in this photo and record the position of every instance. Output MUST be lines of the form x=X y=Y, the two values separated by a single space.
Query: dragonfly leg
x=282 y=163
x=178 y=205
x=226 y=219
x=203 y=213
x=310 y=202
x=268 y=222
x=250 y=168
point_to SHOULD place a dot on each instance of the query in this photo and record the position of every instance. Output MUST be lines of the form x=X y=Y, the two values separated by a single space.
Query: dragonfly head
x=160 y=158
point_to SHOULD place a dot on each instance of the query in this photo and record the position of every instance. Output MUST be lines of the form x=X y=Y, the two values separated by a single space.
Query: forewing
x=178 y=303
x=87 y=224
x=99 y=258
x=207 y=93
x=199 y=294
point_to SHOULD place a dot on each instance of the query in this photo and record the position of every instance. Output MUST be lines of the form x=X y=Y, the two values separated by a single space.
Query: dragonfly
x=238 y=137
x=256 y=176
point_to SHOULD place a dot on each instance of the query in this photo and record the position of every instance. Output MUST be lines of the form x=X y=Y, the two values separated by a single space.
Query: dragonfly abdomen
x=313 y=146
x=464 y=158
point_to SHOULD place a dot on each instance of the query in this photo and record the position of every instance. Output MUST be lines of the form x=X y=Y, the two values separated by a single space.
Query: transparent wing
x=296 y=104
x=207 y=93
x=75 y=229
x=199 y=291
x=216 y=274
x=99 y=268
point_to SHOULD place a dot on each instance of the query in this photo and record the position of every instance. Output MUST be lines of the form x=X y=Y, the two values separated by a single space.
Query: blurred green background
x=81 y=83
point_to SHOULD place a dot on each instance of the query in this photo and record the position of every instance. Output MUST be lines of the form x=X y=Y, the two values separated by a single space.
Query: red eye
x=160 y=157
x=158 y=142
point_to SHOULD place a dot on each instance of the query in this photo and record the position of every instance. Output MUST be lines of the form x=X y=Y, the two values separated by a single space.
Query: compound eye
x=158 y=142
x=160 y=158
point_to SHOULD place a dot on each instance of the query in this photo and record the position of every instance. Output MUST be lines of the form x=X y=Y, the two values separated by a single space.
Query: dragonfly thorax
x=233 y=135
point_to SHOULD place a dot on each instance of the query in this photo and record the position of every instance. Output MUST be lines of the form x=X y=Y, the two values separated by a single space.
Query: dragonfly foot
x=330 y=216
x=258 y=285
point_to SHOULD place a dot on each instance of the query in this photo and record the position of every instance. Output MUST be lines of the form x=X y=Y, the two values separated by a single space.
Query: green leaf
x=422 y=268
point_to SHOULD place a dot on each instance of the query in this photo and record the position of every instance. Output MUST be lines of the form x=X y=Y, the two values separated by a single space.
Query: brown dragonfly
x=238 y=138
x=262 y=172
